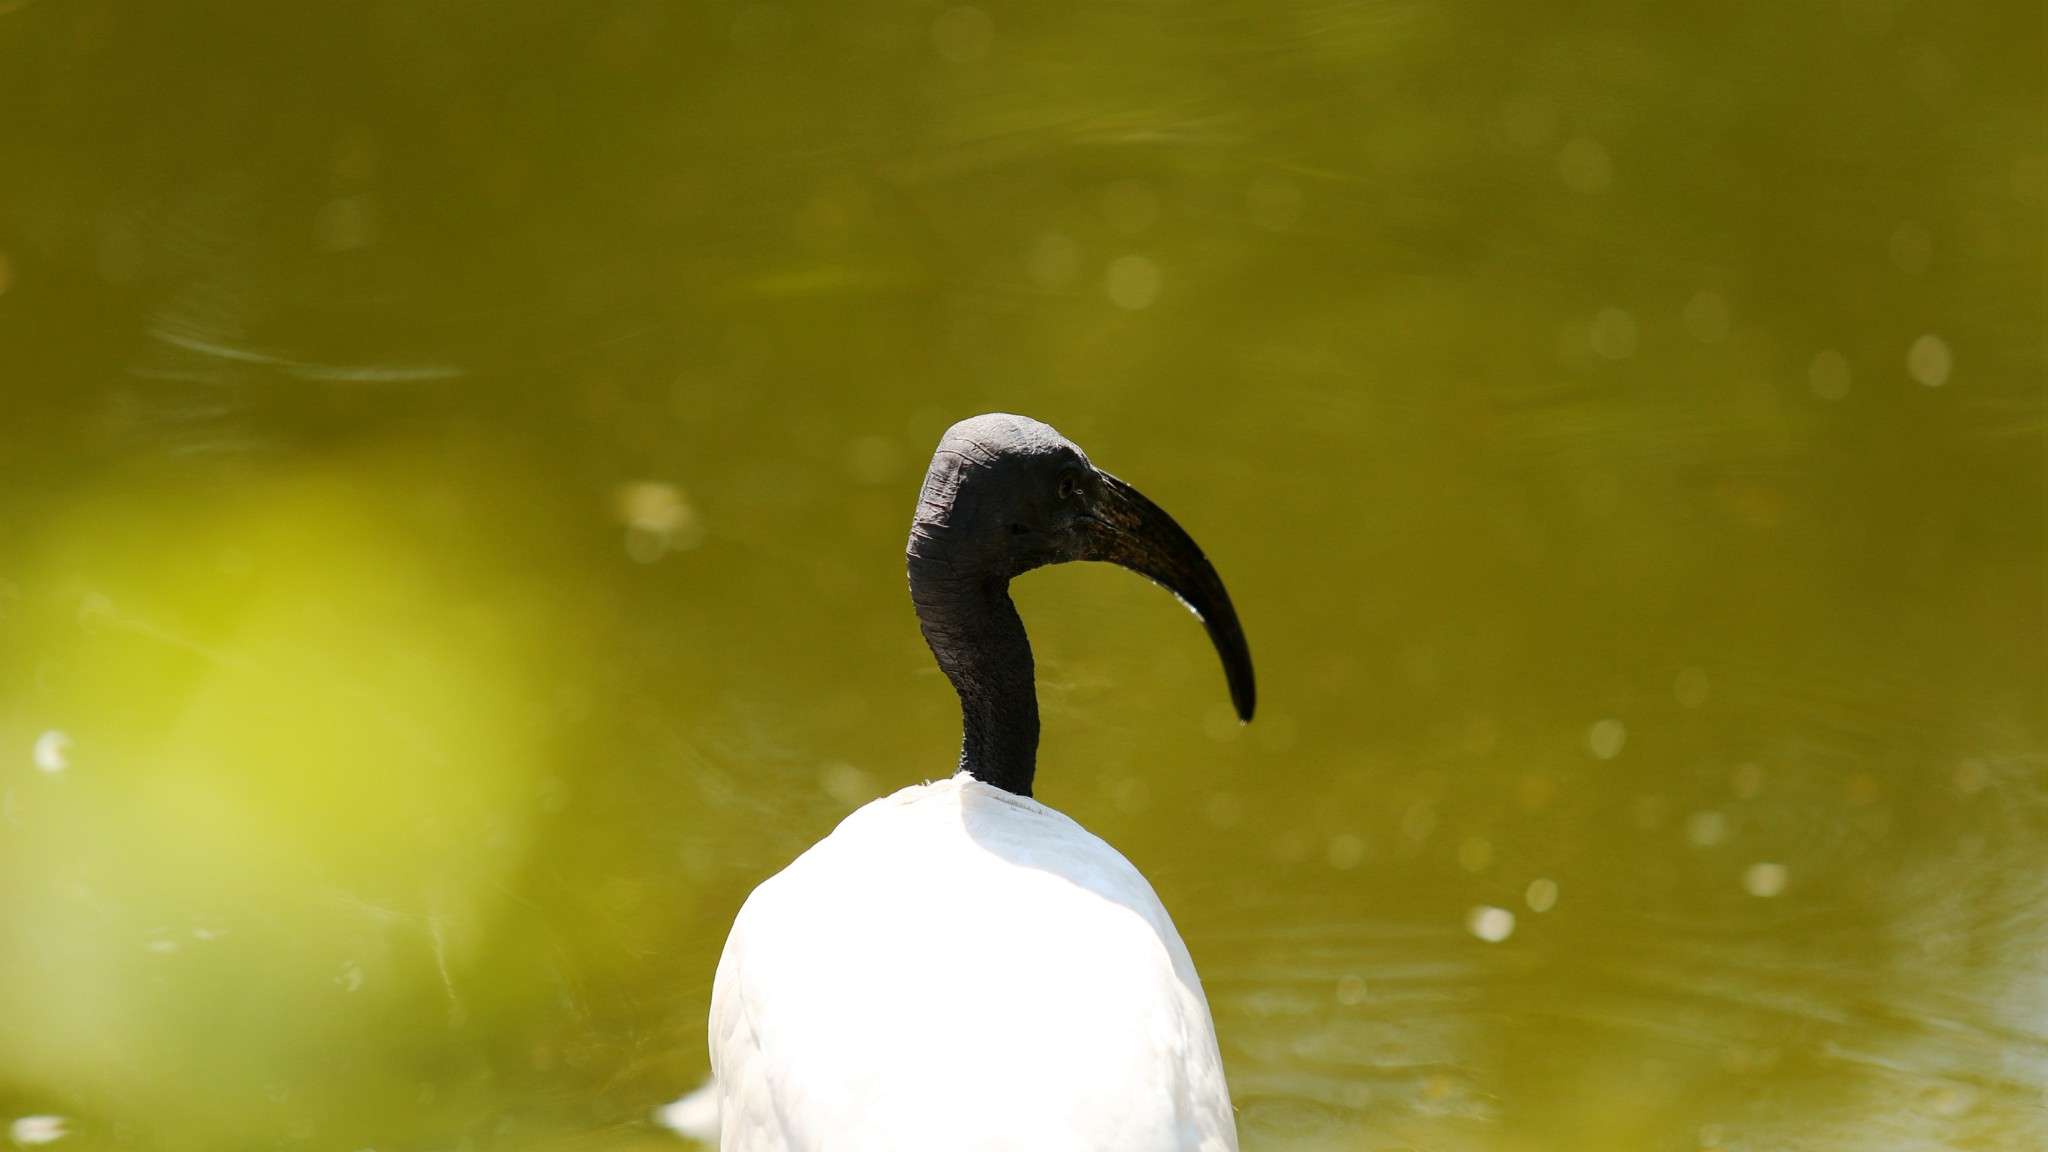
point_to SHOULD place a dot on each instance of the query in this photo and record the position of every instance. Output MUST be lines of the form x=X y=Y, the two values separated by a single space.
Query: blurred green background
x=455 y=460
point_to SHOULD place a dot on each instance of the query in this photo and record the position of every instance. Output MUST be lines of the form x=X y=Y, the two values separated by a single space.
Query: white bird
x=958 y=966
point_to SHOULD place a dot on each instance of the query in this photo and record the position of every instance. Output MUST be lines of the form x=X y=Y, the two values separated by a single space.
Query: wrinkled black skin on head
x=1006 y=494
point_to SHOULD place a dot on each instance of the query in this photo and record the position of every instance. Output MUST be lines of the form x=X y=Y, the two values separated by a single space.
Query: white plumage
x=957 y=967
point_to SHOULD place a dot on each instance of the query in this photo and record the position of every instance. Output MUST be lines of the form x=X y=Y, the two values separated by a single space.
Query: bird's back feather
x=956 y=967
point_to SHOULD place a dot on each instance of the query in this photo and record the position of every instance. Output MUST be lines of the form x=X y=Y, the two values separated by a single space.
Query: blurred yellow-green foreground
x=455 y=460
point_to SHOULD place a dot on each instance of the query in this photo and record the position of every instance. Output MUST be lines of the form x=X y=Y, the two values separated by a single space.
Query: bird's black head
x=1006 y=494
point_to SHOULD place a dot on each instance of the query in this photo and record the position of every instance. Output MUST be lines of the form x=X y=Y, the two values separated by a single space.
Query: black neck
x=979 y=640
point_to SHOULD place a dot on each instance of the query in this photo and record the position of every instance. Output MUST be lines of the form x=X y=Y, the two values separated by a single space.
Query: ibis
x=958 y=966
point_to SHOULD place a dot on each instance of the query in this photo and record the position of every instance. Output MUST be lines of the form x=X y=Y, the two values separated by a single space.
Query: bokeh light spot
x=32 y=1131
x=1131 y=795
x=1418 y=821
x=1929 y=361
x=1224 y=810
x=1706 y=828
x=1490 y=924
x=1691 y=687
x=1475 y=853
x=1606 y=738
x=846 y=784
x=1765 y=880
x=1747 y=780
x=1971 y=777
x=346 y=223
x=1132 y=282
x=52 y=752
x=1053 y=259
x=659 y=520
x=1828 y=375
x=1613 y=334
x=1346 y=851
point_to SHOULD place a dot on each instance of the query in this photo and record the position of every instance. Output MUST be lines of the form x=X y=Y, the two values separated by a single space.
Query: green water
x=455 y=461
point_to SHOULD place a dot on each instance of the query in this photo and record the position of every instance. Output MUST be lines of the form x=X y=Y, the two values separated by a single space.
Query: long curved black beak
x=1128 y=530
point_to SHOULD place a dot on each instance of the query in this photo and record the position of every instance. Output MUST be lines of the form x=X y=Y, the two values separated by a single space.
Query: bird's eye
x=1066 y=486
x=1018 y=530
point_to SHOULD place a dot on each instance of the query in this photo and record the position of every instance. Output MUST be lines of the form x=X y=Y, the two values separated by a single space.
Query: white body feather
x=956 y=967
